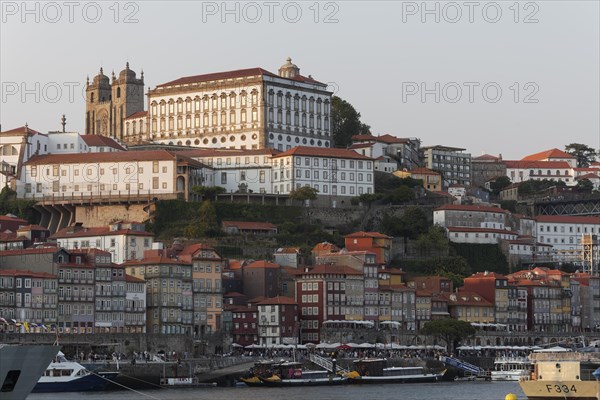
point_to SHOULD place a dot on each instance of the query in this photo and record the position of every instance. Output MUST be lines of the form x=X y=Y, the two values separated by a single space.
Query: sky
x=504 y=77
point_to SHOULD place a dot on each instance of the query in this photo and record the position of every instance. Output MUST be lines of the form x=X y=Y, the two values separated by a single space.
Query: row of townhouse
x=525 y=240
x=166 y=174
x=78 y=291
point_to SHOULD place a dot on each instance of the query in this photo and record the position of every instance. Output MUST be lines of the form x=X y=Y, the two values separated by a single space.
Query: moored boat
x=510 y=368
x=291 y=374
x=374 y=370
x=20 y=368
x=562 y=375
x=69 y=376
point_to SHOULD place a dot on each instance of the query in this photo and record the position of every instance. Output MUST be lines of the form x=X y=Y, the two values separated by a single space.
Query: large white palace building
x=243 y=109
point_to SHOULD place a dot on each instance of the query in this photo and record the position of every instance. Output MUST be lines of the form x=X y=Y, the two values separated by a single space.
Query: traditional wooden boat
x=291 y=374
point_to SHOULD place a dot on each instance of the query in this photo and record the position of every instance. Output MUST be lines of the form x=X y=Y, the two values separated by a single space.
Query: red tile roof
x=362 y=234
x=240 y=73
x=20 y=130
x=588 y=176
x=465 y=298
x=155 y=260
x=69 y=232
x=20 y=272
x=78 y=158
x=488 y=275
x=326 y=246
x=568 y=219
x=133 y=279
x=139 y=114
x=322 y=152
x=262 y=264
x=31 y=250
x=12 y=219
x=101 y=141
x=548 y=154
x=330 y=269
x=198 y=153
x=32 y=228
x=423 y=171
x=462 y=207
x=245 y=225
x=11 y=237
x=533 y=164
x=277 y=300
x=288 y=250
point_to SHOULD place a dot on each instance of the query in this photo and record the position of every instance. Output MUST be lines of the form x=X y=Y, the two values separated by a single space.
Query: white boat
x=510 y=368
x=562 y=374
x=375 y=370
x=21 y=367
x=69 y=376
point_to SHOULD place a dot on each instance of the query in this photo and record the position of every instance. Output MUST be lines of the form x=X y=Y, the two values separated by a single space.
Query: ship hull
x=569 y=390
x=20 y=368
x=94 y=382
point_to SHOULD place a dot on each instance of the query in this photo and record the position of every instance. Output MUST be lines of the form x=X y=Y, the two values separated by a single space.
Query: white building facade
x=564 y=233
x=243 y=109
x=334 y=172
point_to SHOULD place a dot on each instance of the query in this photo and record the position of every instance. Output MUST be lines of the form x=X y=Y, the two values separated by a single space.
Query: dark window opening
x=12 y=377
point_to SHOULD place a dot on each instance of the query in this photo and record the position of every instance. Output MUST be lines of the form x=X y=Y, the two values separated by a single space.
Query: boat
x=291 y=374
x=562 y=374
x=21 y=367
x=189 y=382
x=261 y=368
x=510 y=368
x=69 y=376
x=374 y=370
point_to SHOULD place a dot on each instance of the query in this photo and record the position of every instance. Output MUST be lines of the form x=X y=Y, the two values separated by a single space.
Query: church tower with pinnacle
x=110 y=101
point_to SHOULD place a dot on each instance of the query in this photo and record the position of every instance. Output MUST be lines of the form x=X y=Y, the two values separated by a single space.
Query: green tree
x=206 y=224
x=345 y=122
x=411 y=224
x=584 y=154
x=304 y=193
x=585 y=185
x=533 y=186
x=450 y=330
x=433 y=241
x=399 y=195
x=208 y=192
x=499 y=184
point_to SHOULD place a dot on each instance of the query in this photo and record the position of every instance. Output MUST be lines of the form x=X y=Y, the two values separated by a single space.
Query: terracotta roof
x=461 y=207
x=488 y=275
x=133 y=279
x=12 y=219
x=154 y=260
x=288 y=250
x=388 y=139
x=11 y=237
x=545 y=155
x=21 y=272
x=81 y=158
x=96 y=231
x=326 y=246
x=231 y=75
x=31 y=250
x=139 y=114
x=362 y=234
x=423 y=171
x=235 y=264
x=263 y=226
x=483 y=230
x=330 y=269
x=233 y=294
x=101 y=141
x=262 y=264
x=588 y=176
x=533 y=164
x=32 y=228
x=277 y=300
x=199 y=153
x=465 y=298
x=20 y=130
x=568 y=219
x=322 y=152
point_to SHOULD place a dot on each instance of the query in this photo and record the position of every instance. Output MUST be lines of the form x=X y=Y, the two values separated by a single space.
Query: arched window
x=92 y=97
x=118 y=93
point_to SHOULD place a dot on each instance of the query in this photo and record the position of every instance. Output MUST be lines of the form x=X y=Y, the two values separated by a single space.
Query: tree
x=400 y=195
x=499 y=184
x=584 y=154
x=434 y=240
x=206 y=224
x=412 y=223
x=345 y=122
x=450 y=330
x=304 y=193
x=208 y=192
x=585 y=185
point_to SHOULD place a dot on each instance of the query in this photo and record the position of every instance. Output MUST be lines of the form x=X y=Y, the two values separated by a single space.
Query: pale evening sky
x=543 y=56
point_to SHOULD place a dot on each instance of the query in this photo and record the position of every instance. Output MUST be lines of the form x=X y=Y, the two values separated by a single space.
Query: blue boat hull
x=87 y=383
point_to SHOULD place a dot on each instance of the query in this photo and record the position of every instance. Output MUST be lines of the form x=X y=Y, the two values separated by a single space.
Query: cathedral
x=110 y=101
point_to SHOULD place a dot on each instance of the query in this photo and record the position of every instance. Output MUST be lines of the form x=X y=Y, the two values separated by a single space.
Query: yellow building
x=470 y=307
x=432 y=180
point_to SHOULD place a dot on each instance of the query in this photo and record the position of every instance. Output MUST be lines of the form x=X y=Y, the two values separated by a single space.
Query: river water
x=418 y=391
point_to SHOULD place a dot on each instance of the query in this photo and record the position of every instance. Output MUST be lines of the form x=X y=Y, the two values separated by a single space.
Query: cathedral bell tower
x=109 y=103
